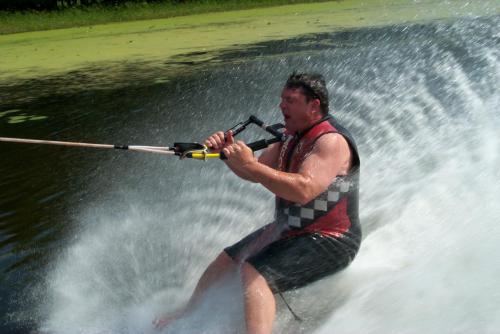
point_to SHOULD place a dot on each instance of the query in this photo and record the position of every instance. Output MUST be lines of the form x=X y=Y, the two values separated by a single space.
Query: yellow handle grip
x=203 y=156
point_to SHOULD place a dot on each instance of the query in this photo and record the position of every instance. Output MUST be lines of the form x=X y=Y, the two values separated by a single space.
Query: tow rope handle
x=272 y=129
x=199 y=151
x=263 y=143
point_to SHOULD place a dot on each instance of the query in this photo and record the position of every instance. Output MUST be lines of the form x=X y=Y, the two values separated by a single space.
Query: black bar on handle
x=256 y=145
x=272 y=129
x=268 y=128
x=238 y=128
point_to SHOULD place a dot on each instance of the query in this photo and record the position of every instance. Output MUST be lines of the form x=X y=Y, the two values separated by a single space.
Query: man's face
x=297 y=112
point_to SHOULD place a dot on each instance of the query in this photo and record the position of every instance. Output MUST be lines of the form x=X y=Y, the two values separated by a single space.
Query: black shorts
x=293 y=262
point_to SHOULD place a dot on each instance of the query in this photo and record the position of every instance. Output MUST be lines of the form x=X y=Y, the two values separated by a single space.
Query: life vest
x=334 y=212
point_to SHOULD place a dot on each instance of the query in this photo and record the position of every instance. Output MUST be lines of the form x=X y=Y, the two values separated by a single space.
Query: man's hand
x=239 y=158
x=219 y=140
x=238 y=155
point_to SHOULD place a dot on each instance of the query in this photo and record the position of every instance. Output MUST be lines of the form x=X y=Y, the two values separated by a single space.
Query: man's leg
x=260 y=305
x=220 y=267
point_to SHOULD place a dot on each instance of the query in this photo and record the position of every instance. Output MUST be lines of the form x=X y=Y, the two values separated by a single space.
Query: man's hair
x=313 y=86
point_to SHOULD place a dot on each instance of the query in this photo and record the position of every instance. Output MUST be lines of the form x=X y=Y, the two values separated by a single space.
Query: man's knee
x=249 y=271
x=223 y=262
x=251 y=276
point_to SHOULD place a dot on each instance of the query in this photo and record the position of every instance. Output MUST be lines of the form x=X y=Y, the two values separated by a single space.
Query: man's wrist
x=254 y=170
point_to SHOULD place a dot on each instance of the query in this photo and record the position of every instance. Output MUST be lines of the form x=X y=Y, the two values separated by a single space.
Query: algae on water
x=43 y=53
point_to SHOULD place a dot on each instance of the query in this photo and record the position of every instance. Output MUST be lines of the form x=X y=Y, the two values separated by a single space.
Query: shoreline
x=29 y=21
x=41 y=54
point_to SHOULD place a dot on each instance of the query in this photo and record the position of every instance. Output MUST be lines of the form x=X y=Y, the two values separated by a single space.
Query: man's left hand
x=239 y=156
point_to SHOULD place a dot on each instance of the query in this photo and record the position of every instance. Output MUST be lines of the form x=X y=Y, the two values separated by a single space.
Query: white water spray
x=427 y=130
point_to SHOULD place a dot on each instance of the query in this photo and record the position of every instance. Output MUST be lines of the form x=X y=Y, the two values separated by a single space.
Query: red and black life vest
x=334 y=212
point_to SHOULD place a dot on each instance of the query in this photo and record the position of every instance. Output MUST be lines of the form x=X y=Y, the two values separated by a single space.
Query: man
x=315 y=177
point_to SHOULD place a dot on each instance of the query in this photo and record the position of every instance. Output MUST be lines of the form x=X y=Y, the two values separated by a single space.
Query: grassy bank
x=14 y=22
x=169 y=40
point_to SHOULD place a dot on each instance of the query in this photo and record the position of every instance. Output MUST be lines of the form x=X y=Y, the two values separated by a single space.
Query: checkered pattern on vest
x=300 y=216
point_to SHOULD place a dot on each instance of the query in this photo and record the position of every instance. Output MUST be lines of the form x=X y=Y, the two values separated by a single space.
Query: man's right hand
x=219 y=141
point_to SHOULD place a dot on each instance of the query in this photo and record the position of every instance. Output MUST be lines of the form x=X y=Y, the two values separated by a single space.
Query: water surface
x=99 y=240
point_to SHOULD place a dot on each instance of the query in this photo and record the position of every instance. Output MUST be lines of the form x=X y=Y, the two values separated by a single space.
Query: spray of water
x=422 y=101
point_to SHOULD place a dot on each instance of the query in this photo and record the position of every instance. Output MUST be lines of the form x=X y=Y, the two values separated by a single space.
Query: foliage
x=38 y=5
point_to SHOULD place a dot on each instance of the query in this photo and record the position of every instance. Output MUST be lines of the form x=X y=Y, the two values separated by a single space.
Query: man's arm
x=270 y=155
x=330 y=157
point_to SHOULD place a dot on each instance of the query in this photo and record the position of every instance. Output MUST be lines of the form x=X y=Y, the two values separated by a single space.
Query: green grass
x=14 y=22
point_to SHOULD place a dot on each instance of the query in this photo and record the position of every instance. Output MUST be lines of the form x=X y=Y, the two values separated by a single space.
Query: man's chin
x=289 y=128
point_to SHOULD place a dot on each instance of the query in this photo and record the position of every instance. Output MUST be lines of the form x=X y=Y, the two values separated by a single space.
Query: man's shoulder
x=332 y=146
x=331 y=140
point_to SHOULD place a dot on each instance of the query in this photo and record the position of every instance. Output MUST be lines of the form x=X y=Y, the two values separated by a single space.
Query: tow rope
x=182 y=150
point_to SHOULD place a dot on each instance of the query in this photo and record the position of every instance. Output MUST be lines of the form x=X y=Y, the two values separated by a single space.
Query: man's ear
x=316 y=104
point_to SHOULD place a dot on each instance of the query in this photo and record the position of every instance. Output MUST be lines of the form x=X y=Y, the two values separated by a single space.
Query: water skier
x=315 y=177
